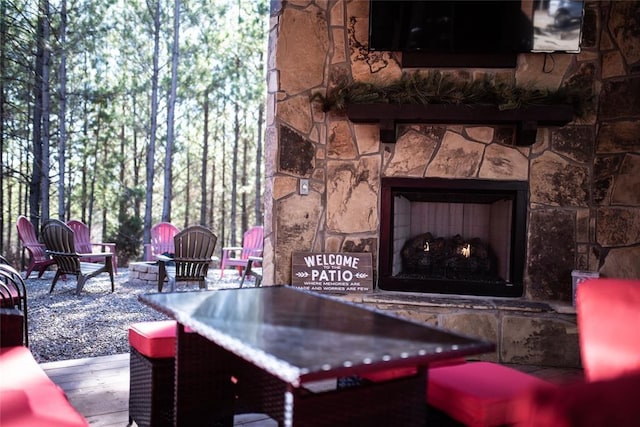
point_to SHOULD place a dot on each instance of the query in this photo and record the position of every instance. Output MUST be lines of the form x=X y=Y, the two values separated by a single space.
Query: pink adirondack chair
x=252 y=245
x=38 y=258
x=161 y=241
x=84 y=245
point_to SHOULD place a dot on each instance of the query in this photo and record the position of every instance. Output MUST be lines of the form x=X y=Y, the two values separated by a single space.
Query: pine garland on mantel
x=434 y=87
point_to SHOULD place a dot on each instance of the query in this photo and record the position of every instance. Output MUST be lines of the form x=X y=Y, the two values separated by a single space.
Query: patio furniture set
x=263 y=349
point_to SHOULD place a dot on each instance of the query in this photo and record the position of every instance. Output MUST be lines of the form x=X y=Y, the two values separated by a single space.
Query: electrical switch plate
x=304 y=186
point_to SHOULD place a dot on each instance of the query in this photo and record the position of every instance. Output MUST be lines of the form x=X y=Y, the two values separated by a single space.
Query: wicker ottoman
x=152 y=368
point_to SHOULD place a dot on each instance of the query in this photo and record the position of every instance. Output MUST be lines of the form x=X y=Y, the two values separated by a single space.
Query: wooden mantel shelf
x=525 y=119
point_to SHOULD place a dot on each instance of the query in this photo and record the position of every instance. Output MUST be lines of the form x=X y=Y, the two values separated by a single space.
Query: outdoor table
x=261 y=349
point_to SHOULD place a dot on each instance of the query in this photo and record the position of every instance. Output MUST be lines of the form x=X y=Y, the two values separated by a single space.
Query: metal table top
x=299 y=336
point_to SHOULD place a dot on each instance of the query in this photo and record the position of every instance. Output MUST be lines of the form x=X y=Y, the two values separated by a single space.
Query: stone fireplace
x=452 y=236
x=582 y=179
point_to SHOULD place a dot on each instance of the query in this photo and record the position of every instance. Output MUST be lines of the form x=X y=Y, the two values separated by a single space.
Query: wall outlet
x=304 y=186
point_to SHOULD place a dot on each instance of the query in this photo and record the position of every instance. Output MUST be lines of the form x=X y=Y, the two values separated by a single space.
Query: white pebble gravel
x=63 y=325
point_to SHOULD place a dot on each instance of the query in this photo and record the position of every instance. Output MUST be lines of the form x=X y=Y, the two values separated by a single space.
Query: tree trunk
x=154 y=125
x=168 y=162
x=205 y=155
x=234 y=172
x=212 y=205
x=35 y=185
x=122 y=202
x=92 y=182
x=244 y=215
x=85 y=135
x=136 y=159
x=258 y=177
x=62 y=112
x=44 y=182
x=187 y=193
x=223 y=198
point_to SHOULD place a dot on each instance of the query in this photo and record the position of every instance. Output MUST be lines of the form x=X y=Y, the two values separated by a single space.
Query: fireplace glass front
x=453 y=236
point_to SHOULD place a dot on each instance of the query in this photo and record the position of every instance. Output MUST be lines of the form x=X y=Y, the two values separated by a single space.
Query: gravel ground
x=63 y=325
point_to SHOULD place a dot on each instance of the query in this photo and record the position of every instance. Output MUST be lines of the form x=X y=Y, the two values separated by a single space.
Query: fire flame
x=466 y=250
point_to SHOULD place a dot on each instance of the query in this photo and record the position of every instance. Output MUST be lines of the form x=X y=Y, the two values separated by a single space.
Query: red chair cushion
x=28 y=397
x=390 y=374
x=611 y=402
x=154 y=339
x=609 y=327
x=478 y=393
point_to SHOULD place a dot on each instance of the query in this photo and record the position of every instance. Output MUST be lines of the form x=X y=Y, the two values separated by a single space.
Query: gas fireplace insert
x=453 y=236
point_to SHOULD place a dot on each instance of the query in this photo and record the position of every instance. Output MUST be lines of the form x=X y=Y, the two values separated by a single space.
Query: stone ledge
x=526 y=332
x=465 y=301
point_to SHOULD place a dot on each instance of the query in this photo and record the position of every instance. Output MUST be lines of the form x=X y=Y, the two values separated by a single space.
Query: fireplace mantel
x=526 y=119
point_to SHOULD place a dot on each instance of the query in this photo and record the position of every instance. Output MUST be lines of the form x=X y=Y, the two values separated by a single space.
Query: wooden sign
x=332 y=272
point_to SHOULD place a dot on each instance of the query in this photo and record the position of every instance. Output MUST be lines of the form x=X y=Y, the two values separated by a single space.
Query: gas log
x=453 y=258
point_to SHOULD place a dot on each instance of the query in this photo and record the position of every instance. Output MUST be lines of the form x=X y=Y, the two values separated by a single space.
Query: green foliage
x=435 y=87
x=128 y=235
x=107 y=53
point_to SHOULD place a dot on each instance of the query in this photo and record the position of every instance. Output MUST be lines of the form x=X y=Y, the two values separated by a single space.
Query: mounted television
x=474 y=27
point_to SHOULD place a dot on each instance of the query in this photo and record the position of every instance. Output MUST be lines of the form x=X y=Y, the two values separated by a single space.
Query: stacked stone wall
x=584 y=178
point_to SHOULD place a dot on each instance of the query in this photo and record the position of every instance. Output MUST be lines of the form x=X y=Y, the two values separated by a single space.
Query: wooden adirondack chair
x=84 y=245
x=194 y=248
x=38 y=258
x=161 y=241
x=252 y=245
x=59 y=240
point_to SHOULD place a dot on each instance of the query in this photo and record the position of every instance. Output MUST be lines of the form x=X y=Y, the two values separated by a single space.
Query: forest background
x=124 y=113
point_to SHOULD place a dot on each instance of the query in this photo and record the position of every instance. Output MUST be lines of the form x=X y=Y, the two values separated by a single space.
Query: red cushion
x=389 y=374
x=28 y=397
x=154 y=339
x=44 y=405
x=478 y=393
x=594 y=404
x=608 y=324
x=18 y=368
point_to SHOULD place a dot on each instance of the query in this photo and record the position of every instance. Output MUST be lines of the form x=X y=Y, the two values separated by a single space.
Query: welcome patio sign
x=332 y=272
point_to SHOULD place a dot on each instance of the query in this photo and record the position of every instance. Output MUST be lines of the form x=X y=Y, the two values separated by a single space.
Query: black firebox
x=453 y=236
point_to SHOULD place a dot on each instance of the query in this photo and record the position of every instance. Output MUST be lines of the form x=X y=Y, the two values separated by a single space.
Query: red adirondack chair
x=252 y=245
x=38 y=258
x=83 y=244
x=161 y=241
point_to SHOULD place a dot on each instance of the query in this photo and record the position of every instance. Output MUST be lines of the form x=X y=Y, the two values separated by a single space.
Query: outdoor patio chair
x=38 y=258
x=59 y=239
x=252 y=245
x=161 y=240
x=14 y=294
x=608 y=313
x=193 y=251
x=609 y=327
x=84 y=245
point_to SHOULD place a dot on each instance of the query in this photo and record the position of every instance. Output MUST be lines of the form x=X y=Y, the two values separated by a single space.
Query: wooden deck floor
x=98 y=388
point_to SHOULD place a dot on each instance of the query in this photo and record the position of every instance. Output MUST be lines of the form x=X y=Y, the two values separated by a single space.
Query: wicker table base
x=214 y=384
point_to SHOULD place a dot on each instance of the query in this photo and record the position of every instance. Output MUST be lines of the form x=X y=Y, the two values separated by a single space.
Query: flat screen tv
x=473 y=27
